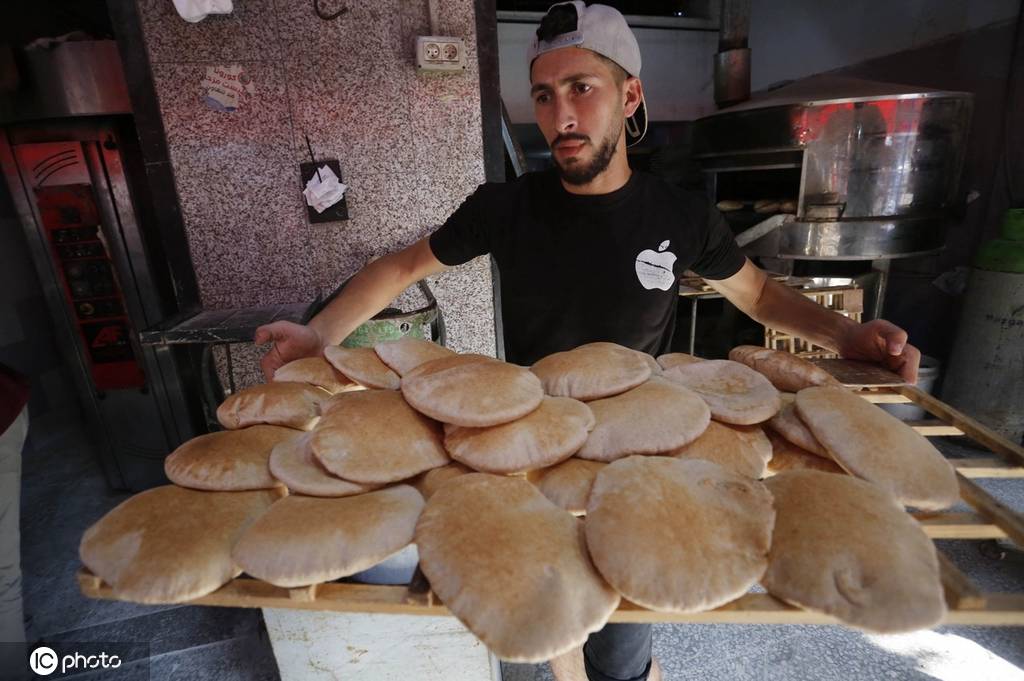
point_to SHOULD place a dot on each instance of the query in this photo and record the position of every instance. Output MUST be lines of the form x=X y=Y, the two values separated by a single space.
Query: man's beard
x=580 y=173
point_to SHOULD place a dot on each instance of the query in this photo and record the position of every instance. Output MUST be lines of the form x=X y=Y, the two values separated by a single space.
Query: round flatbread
x=674 y=359
x=375 y=438
x=876 y=446
x=654 y=417
x=170 y=544
x=786 y=456
x=592 y=371
x=734 y=392
x=567 y=484
x=407 y=353
x=478 y=526
x=228 y=460
x=678 y=535
x=431 y=481
x=785 y=370
x=844 y=547
x=652 y=363
x=472 y=390
x=363 y=366
x=552 y=432
x=787 y=423
x=744 y=450
x=316 y=371
x=292 y=463
x=284 y=403
x=308 y=540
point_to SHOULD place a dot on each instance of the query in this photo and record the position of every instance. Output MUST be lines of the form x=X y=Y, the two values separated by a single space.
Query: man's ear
x=633 y=95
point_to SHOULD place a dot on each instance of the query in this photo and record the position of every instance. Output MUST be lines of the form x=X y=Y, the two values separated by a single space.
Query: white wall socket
x=440 y=53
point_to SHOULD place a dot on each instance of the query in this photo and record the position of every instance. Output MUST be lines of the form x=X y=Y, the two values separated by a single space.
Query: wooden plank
x=986 y=468
x=303 y=593
x=856 y=374
x=943 y=525
x=1013 y=453
x=961 y=593
x=880 y=397
x=992 y=509
x=934 y=428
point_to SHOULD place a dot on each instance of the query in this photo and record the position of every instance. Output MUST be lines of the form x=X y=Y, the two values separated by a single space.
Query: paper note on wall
x=226 y=87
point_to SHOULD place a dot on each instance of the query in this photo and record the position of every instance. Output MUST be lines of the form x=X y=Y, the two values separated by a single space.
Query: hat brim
x=636 y=125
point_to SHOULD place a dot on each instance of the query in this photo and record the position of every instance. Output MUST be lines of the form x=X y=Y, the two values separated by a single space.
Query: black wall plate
x=338 y=211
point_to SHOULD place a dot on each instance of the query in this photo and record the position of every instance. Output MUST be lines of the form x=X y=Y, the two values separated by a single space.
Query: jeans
x=13 y=658
x=619 y=652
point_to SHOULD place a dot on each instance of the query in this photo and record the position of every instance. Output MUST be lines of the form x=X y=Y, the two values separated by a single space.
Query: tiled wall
x=410 y=146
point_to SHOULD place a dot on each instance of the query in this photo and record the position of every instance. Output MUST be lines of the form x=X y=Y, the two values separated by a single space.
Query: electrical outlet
x=440 y=53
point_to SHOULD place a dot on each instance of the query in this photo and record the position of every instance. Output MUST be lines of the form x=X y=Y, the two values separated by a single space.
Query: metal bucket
x=927 y=375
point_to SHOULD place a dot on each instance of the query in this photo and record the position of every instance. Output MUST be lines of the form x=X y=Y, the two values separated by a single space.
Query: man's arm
x=366 y=294
x=780 y=307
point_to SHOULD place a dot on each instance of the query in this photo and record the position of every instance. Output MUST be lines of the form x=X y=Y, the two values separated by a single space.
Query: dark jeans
x=619 y=652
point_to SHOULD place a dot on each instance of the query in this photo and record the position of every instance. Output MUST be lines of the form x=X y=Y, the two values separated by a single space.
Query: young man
x=590 y=251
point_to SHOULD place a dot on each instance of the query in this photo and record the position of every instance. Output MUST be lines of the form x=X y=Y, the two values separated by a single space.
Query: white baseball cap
x=601 y=29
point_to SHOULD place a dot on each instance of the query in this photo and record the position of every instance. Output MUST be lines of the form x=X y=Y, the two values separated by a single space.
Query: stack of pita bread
x=344 y=460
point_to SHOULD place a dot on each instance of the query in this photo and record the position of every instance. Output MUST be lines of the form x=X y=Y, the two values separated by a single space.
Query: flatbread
x=316 y=371
x=649 y=419
x=673 y=359
x=787 y=423
x=308 y=540
x=876 y=446
x=744 y=450
x=363 y=366
x=228 y=460
x=652 y=363
x=787 y=456
x=786 y=371
x=431 y=481
x=512 y=566
x=293 y=464
x=678 y=535
x=567 y=484
x=592 y=371
x=844 y=547
x=407 y=353
x=552 y=432
x=170 y=544
x=735 y=393
x=375 y=438
x=472 y=390
x=283 y=403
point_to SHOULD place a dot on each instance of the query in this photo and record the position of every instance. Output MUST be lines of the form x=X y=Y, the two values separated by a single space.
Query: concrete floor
x=63 y=492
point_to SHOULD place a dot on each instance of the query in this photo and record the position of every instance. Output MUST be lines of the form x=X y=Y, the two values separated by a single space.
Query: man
x=14 y=390
x=590 y=251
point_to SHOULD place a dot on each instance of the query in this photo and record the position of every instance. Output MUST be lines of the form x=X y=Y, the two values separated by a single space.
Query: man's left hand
x=884 y=343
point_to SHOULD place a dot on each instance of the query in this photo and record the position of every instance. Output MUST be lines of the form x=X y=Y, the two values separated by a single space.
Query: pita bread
x=431 y=481
x=678 y=535
x=844 y=547
x=292 y=462
x=744 y=450
x=170 y=544
x=407 y=353
x=787 y=423
x=478 y=526
x=674 y=359
x=786 y=371
x=734 y=392
x=592 y=371
x=472 y=390
x=228 y=460
x=363 y=366
x=786 y=456
x=651 y=418
x=552 y=432
x=316 y=371
x=289 y=404
x=871 y=444
x=308 y=540
x=567 y=484
x=652 y=363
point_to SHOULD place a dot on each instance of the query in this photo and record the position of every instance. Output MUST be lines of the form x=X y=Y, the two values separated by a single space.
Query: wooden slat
x=986 y=468
x=961 y=593
x=958 y=526
x=992 y=509
x=934 y=428
x=1012 y=453
x=856 y=374
x=304 y=593
x=884 y=397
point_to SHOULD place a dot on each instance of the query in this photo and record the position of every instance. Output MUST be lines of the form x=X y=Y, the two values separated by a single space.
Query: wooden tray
x=968 y=605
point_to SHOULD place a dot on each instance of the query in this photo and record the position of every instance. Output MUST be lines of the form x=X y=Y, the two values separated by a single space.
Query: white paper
x=197 y=10
x=324 y=191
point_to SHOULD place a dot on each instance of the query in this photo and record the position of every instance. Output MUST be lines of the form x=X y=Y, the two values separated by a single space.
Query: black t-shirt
x=576 y=269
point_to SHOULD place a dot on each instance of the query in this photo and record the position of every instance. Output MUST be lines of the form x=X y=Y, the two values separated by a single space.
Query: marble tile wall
x=410 y=148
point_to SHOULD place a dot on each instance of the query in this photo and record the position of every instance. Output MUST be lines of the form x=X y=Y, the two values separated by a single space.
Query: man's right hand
x=290 y=342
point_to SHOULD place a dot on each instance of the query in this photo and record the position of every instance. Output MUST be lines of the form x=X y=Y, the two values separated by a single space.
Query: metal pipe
x=732 y=62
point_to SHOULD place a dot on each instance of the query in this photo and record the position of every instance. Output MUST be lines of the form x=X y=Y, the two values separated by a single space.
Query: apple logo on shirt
x=654 y=268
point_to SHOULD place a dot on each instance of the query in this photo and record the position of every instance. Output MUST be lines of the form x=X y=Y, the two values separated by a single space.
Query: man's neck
x=614 y=177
